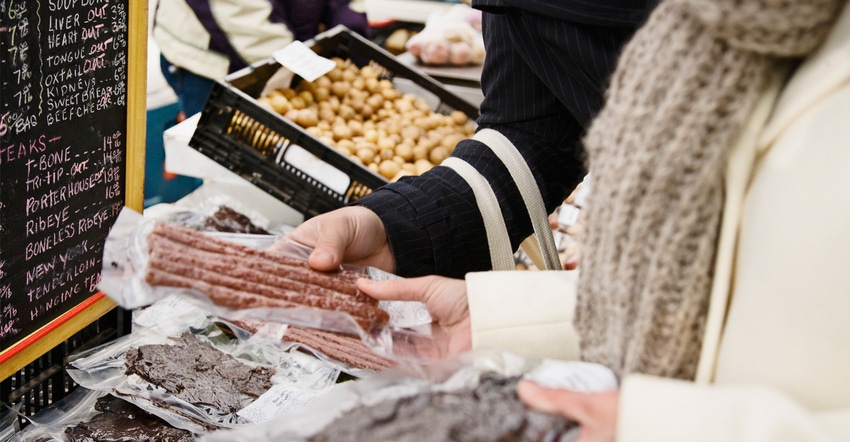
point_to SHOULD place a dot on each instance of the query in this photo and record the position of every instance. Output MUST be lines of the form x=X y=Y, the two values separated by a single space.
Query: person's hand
x=596 y=413
x=446 y=302
x=352 y=235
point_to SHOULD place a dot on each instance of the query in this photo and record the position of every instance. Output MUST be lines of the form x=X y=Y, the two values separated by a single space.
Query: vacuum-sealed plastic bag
x=145 y=261
x=471 y=397
x=193 y=384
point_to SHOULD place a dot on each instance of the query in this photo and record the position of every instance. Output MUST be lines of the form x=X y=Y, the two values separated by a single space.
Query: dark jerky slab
x=199 y=373
x=226 y=219
x=120 y=420
x=490 y=411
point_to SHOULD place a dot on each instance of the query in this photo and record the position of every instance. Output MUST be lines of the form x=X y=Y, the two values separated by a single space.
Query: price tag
x=276 y=400
x=298 y=58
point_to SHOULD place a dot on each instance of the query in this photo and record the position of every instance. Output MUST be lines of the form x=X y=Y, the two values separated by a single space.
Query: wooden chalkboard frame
x=30 y=348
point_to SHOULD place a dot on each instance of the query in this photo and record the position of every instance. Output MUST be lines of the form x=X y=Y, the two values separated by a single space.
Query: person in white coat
x=772 y=362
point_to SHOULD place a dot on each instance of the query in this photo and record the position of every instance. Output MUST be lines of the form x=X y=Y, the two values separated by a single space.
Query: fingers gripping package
x=317 y=145
x=272 y=294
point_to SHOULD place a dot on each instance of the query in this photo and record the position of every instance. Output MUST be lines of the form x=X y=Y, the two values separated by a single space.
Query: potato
x=342 y=132
x=347 y=113
x=291 y=114
x=401 y=173
x=371 y=147
x=335 y=103
x=405 y=151
x=459 y=117
x=366 y=155
x=372 y=85
x=266 y=102
x=349 y=75
x=356 y=128
x=420 y=152
x=346 y=144
x=307 y=118
x=371 y=135
x=422 y=166
x=327 y=115
x=387 y=154
x=376 y=101
x=343 y=149
x=321 y=93
x=280 y=104
x=438 y=154
x=374 y=168
x=411 y=131
x=307 y=96
x=368 y=72
x=297 y=103
x=340 y=88
x=389 y=168
x=422 y=105
x=323 y=81
x=335 y=74
x=450 y=141
x=390 y=93
x=386 y=143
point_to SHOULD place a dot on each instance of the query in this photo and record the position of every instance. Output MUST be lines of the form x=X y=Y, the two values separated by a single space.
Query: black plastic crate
x=44 y=381
x=240 y=134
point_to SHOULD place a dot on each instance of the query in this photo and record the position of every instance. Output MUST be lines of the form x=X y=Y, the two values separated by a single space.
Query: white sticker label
x=278 y=399
x=577 y=376
x=298 y=58
x=406 y=314
x=568 y=215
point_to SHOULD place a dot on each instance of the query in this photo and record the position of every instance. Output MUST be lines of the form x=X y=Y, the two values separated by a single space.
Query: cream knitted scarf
x=683 y=88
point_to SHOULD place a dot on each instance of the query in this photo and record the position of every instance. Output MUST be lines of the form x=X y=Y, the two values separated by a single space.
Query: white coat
x=775 y=363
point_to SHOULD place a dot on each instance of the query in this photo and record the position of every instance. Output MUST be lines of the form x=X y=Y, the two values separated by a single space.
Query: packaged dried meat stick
x=144 y=261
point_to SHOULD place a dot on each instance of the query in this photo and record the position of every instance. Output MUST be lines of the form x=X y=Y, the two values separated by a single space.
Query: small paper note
x=298 y=58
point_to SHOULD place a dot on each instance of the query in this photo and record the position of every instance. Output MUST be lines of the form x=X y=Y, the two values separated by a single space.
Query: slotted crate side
x=246 y=139
x=238 y=133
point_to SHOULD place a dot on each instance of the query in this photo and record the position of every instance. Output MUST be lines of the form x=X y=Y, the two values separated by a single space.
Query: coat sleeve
x=528 y=313
x=656 y=409
x=249 y=27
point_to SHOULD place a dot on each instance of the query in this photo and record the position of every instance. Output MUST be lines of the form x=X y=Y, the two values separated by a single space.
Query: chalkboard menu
x=63 y=127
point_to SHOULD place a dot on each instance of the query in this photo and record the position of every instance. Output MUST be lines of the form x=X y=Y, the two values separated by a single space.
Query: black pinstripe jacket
x=544 y=76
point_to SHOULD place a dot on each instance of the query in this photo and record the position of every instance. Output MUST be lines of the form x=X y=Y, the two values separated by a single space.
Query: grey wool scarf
x=682 y=90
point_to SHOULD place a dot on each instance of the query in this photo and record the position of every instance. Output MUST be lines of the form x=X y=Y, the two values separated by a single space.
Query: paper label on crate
x=321 y=171
x=298 y=58
x=278 y=399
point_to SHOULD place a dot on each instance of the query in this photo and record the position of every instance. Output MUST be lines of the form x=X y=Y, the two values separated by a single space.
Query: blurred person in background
x=204 y=40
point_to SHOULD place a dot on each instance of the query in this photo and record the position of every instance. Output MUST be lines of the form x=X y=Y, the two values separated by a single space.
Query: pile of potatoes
x=363 y=116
